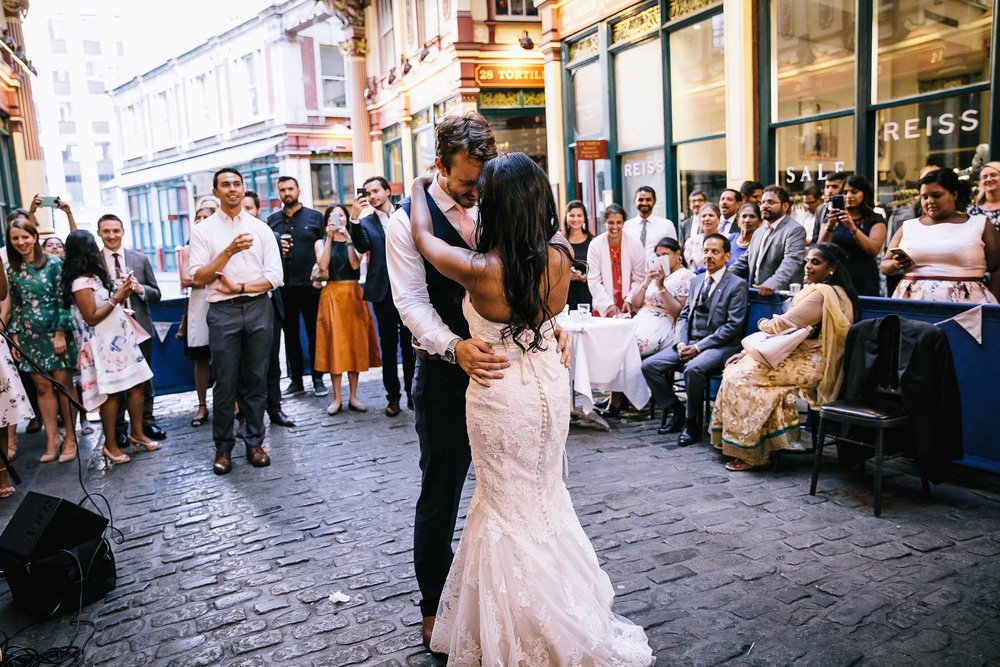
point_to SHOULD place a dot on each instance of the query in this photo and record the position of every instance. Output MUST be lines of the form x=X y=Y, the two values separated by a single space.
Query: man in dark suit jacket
x=777 y=252
x=119 y=261
x=368 y=235
x=709 y=330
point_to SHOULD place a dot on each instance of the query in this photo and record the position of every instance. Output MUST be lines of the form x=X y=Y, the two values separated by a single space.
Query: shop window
x=643 y=168
x=331 y=67
x=174 y=220
x=588 y=107
x=638 y=88
x=514 y=9
x=520 y=132
x=812 y=56
x=332 y=182
x=809 y=152
x=594 y=189
x=925 y=47
x=950 y=133
x=701 y=165
x=392 y=147
x=697 y=79
x=142 y=223
x=8 y=176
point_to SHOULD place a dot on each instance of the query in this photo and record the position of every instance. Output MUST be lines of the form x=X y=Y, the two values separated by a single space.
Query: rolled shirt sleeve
x=273 y=270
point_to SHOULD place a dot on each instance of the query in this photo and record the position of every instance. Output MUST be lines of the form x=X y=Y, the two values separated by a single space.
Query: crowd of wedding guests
x=77 y=311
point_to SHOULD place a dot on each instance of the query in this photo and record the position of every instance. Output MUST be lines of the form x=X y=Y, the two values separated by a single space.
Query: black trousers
x=304 y=302
x=439 y=404
x=121 y=425
x=274 y=367
x=391 y=333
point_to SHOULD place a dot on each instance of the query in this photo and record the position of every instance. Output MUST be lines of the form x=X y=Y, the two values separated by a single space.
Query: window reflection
x=809 y=152
x=588 y=113
x=697 y=79
x=701 y=165
x=638 y=90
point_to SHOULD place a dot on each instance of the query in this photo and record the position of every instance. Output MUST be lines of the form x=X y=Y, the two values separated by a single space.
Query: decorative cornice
x=354 y=47
x=15 y=8
x=350 y=12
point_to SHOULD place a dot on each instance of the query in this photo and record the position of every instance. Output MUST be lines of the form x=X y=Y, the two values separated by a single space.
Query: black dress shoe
x=687 y=438
x=154 y=432
x=279 y=418
x=392 y=409
x=673 y=420
x=223 y=463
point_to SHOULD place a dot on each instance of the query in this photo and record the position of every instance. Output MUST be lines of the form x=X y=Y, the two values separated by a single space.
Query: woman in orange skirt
x=345 y=333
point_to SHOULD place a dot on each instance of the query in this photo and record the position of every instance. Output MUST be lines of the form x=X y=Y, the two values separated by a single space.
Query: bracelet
x=348 y=244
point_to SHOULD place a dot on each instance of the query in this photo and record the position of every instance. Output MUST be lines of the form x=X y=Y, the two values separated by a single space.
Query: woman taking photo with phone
x=853 y=224
x=944 y=254
x=577 y=231
x=345 y=333
x=660 y=298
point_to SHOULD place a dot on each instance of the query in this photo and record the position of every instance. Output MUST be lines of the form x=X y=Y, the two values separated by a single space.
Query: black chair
x=882 y=410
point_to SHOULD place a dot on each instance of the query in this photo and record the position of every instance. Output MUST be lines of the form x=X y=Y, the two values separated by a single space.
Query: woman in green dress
x=41 y=325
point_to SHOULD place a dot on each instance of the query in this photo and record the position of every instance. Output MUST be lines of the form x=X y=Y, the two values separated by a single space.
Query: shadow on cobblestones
x=735 y=568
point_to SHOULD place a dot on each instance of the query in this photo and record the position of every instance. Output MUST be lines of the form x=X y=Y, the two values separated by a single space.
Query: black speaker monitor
x=44 y=524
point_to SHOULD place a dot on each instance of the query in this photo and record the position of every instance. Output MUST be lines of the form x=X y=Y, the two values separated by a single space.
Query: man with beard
x=777 y=250
x=298 y=228
x=649 y=229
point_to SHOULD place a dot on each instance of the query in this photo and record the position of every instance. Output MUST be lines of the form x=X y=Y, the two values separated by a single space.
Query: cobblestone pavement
x=735 y=568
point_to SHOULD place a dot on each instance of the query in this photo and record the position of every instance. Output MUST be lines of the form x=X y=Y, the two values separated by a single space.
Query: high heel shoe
x=147 y=445
x=122 y=458
x=66 y=457
x=49 y=458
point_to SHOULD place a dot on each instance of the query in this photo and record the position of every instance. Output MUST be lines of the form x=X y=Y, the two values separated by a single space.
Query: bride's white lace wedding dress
x=525 y=588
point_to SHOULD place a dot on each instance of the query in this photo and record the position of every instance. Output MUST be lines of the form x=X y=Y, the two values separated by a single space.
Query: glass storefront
x=697 y=79
x=701 y=165
x=808 y=152
x=638 y=72
x=643 y=168
x=392 y=147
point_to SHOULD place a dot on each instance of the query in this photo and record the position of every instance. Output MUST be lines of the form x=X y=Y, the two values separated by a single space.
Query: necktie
x=118 y=266
x=642 y=234
x=467 y=228
x=706 y=291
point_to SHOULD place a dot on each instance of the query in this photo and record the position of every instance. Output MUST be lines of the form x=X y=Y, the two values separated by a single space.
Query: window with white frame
x=65 y=112
x=249 y=66
x=331 y=70
x=429 y=19
x=387 y=46
x=164 y=117
x=514 y=9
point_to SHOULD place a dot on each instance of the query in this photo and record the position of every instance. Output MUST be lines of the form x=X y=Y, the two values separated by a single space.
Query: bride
x=525 y=588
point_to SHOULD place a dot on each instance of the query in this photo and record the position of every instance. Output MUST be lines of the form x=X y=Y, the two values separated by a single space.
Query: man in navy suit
x=709 y=330
x=368 y=235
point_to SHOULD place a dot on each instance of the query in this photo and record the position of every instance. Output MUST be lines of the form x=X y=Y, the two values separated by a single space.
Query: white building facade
x=266 y=97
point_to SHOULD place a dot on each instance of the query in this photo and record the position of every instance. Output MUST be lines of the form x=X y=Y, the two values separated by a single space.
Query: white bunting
x=162 y=329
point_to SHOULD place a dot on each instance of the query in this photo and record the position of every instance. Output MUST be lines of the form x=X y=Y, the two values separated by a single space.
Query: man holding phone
x=833 y=185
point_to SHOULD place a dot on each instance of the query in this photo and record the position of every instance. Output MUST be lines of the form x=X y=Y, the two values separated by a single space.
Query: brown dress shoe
x=426 y=630
x=223 y=463
x=257 y=457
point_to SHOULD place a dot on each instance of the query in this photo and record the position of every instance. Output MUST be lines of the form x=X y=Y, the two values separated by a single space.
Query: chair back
x=887 y=372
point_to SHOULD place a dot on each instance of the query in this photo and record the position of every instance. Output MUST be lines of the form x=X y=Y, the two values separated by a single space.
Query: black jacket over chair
x=928 y=385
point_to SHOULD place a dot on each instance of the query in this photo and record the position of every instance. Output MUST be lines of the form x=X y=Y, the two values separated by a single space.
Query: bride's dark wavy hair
x=83 y=258
x=517 y=220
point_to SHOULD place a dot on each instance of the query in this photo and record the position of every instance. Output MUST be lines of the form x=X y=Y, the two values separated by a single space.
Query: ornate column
x=23 y=122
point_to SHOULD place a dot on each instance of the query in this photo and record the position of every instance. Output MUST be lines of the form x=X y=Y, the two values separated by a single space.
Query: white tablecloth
x=604 y=357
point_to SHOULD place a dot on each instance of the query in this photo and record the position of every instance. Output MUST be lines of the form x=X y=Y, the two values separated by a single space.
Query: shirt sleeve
x=409 y=287
x=271 y=258
x=199 y=253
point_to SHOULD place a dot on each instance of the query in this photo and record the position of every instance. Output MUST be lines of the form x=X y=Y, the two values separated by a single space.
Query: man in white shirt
x=235 y=257
x=646 y=227
x=811 y=201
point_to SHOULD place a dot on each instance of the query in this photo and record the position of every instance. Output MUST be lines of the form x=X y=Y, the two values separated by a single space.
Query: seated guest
x=749 y=220
x=660 y=298
x=944 y=254
x=709 y=330
x=777 y=250
x=646 y=227
x=859 y=231
x=755 y=410
x=708 y=223
x=577 y=230
x=616 y=264
x=111 y=362
x=345 y=333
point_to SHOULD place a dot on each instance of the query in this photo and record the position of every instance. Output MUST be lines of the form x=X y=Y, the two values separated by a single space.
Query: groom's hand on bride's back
x=477 y=359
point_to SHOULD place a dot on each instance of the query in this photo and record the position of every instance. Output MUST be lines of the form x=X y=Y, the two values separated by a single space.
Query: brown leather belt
x=424 y=355
x=238 y=300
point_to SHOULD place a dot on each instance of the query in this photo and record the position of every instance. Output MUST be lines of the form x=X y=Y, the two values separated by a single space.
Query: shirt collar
x=441 y=197
x=238 y=218
x=109 y=253
x=717 y=276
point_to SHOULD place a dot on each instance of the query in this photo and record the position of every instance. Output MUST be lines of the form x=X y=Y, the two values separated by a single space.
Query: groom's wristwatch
x=449 y=354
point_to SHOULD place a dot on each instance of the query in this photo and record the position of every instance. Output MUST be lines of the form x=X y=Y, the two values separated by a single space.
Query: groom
x=430 y=306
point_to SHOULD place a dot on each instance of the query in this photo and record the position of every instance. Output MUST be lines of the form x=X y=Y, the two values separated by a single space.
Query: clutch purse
x=771 y=349
x=317 y=275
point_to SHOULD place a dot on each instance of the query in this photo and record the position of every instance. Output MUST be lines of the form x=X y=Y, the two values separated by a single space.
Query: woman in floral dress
x=660 y=298
x=41 y=325
x=14 y=406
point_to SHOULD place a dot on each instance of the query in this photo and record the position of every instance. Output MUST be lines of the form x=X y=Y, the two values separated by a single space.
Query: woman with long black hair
x=525 y=574
x=860 y=233
x=110 y=359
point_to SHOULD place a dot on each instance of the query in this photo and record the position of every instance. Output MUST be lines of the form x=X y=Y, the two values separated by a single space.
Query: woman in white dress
x=14 y=405
x=196 y=331
x=525 y=587
x=660 y=298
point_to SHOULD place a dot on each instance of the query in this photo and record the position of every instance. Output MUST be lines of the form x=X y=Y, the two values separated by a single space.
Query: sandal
x=200 y=418
x=736 y=465
x=6 y=491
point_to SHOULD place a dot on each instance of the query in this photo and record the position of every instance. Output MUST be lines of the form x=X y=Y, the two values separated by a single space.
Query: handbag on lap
x=771 y=349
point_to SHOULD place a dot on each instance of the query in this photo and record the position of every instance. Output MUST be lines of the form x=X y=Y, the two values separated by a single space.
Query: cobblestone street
x=719 y=567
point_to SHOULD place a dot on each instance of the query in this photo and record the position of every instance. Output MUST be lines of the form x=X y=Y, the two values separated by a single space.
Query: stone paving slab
x=719 y=567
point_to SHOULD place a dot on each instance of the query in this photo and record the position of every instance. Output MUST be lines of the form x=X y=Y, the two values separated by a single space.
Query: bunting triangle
x=971 y=321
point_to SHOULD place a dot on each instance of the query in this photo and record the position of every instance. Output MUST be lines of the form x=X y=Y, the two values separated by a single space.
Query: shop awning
x=231 y=156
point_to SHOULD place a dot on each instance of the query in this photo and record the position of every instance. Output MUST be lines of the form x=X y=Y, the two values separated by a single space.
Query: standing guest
x=646 y=227
x=812 y=199
x=709 y=217
x=709 y=330
x=236 y=257
x=577 y=226
x=196 y=323
x=729 y=206
x=945 y=252
x=298 y=228
x=346 y=340
x=62 y=205
x=120 y=263
x=368 y=235
x=777 y=250
x=660 y=298
x=277 y=416
x=755 y=411
x=689 y=226
x=14 y=404
x=833 y=185
x=751 y=191
x=35 y=423
x=111 y=360
x=749 y=219
x=616 y=265
x=42 y=326
x=988 y=199
x=54 y=246
x=859 y=231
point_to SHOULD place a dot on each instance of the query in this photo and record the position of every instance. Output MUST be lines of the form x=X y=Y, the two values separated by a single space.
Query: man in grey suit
x=119 y=262
x=777 y=252
x=709 y=330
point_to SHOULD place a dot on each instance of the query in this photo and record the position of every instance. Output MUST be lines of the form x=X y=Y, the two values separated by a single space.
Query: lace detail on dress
x=526 y=588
